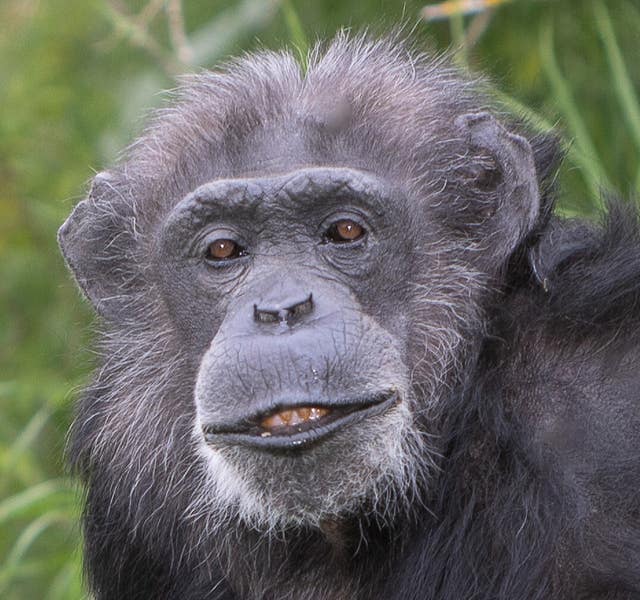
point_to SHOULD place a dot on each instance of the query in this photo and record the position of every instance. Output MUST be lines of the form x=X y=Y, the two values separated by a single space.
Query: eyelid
x=210 y=234
x=350 y=214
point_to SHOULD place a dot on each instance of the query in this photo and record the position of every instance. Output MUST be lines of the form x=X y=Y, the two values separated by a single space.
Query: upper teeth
x=292 y=417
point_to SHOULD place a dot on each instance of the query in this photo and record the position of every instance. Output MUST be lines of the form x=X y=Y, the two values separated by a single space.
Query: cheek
x=385 y=292
x=195 y=305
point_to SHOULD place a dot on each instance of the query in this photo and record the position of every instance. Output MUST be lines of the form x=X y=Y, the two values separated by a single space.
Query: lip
x=248 y=431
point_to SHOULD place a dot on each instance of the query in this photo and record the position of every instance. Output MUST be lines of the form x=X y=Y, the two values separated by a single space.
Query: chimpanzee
x=350 y=352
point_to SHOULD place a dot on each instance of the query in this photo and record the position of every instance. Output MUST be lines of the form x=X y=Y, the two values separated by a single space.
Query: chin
x=364 y=467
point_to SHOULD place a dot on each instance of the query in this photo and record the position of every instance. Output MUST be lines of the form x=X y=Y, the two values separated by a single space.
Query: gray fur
x=458 y=491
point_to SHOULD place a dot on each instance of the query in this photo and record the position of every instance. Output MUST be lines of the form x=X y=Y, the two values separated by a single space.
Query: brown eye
x=345 y=230
x=223 y=250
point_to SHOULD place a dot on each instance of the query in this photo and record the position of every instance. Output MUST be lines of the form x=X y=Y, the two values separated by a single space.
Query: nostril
x=283 y=312
x=301 y=308
x=262 y=315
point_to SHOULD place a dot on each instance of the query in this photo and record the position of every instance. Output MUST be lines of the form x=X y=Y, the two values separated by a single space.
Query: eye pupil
x=223 y=249
x=345 y=231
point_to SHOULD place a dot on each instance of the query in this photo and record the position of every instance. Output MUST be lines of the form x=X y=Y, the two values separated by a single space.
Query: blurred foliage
x=75 y=78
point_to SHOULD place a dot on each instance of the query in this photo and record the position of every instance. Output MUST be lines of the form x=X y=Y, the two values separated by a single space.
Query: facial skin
x=292 y=339
x=294 y=294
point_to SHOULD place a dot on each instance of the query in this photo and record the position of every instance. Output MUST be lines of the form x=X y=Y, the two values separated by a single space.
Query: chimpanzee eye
x=343 y=231
x=224 y=249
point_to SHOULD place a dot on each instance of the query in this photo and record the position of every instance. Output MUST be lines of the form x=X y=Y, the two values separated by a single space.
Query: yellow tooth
x=272 y=421
x=291 y=418
x=304 y=413
x=286 y=415
x=317 y=413
x=295 y=419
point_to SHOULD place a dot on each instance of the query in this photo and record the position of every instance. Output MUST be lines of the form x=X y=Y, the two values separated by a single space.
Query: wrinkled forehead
x=305 y=186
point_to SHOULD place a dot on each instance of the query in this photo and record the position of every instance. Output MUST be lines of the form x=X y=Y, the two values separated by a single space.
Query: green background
x=77 y=76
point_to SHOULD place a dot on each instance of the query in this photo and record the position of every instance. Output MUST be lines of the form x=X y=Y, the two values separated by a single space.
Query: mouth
x=293 y=426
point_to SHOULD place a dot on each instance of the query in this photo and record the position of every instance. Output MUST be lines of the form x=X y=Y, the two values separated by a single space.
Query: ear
x=502 y=180
x=97 y=243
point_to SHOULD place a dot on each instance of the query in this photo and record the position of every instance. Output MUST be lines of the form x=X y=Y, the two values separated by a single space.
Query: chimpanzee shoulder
x=562 y=361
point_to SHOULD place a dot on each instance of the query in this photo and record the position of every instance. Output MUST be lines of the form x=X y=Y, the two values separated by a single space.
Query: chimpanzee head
x=292 y=269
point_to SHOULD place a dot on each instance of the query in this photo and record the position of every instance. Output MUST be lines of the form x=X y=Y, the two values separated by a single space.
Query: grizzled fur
x=520 y=474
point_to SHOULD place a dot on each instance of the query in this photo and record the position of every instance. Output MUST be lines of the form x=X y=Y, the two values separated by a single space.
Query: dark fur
x=537 y=425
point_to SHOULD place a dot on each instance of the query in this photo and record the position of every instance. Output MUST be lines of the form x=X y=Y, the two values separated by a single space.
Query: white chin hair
x=371 y=466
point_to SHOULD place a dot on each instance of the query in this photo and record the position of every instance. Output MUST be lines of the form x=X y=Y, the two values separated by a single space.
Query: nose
x=288 y=310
